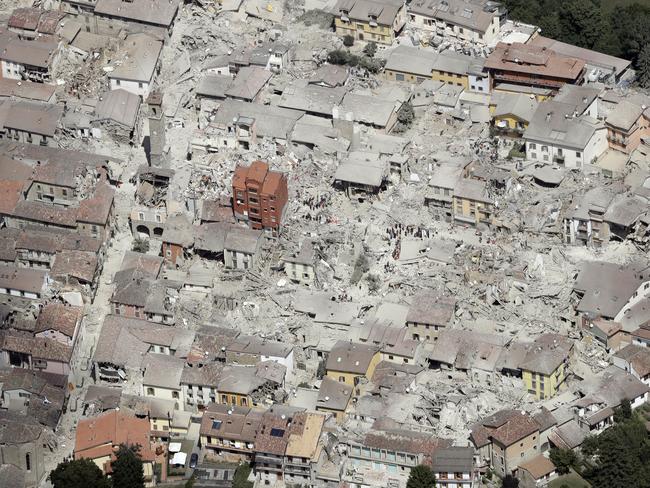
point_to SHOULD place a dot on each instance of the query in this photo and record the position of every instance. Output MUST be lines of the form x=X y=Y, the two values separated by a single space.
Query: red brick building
x=259 y=196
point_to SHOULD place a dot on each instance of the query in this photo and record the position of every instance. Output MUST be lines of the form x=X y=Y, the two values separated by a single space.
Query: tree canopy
x=620 y=456
x=510 y=482
x=421 y=477
x=127 y=468
x=79 y=473
x=240 y=478
x=564 y=459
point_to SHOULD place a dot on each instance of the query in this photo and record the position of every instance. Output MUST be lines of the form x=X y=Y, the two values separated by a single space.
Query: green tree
x=583 y=23
x=79 y=473
x=405 y=117
x=140 y=245
x=127 y=468
x=643 y=67
x=631 y=30
x=373 y=65
x=371 y=49
x=564 y=459
x=338 y=56
x=623 y=412
x=348 y=41
x=619 y=457
x=240 y=478
x=421 y=477
x=510 y=482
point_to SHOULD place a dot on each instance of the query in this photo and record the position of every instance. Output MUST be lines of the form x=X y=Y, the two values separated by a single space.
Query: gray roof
x=119 y=106
x=453 y=460
x=554 y=123
x=214 y=86
x=317 y=99
x=248 y=83
x=472 y=190
x=244 y=240
x=447 y=95
x=124 y=342
x=385 y=144
x=329 y=74
x=211 y=237
x=206 y=375
x=350 y=357
x=178 y=230
x=596 y=199
x=431 y=308
x=37 y=118
x=155 y=12
x=606 y=287
x=34 y=53
x=360 y=169
x=138 y=57
x=423 y=61
x=626 y=210
x=547 y=353
x=468 y=350
x=333 y=394
x=257 y=346
x=305 y=255
x=411 y=60
x=272 y=122
x=551 y=175
x=385 y=11
x=472 y=14
x=580 y=96
x=18 y=429
x=521 y=106
x=446 y=175
x=320 y=132
x=624 y=115
x=570 y=433
x=367 y=109
x=453 y=62
x=11 y=476
x=240 y=380
x=163 y=371
x=611 y=387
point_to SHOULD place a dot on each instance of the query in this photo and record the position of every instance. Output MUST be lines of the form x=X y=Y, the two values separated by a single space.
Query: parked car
x=194 y=459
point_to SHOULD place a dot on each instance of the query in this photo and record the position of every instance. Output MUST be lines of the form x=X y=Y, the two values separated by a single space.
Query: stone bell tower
x=156 y=129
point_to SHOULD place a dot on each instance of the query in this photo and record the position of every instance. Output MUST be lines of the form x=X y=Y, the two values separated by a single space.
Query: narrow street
x=81 y=367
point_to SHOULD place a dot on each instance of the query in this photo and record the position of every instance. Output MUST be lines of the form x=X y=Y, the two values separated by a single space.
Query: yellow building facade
x=363 y=31
x=471 y=211
x=459 y=79
x=543 y=385
x=510 y=122
x=236 y=399
x=351 y=378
